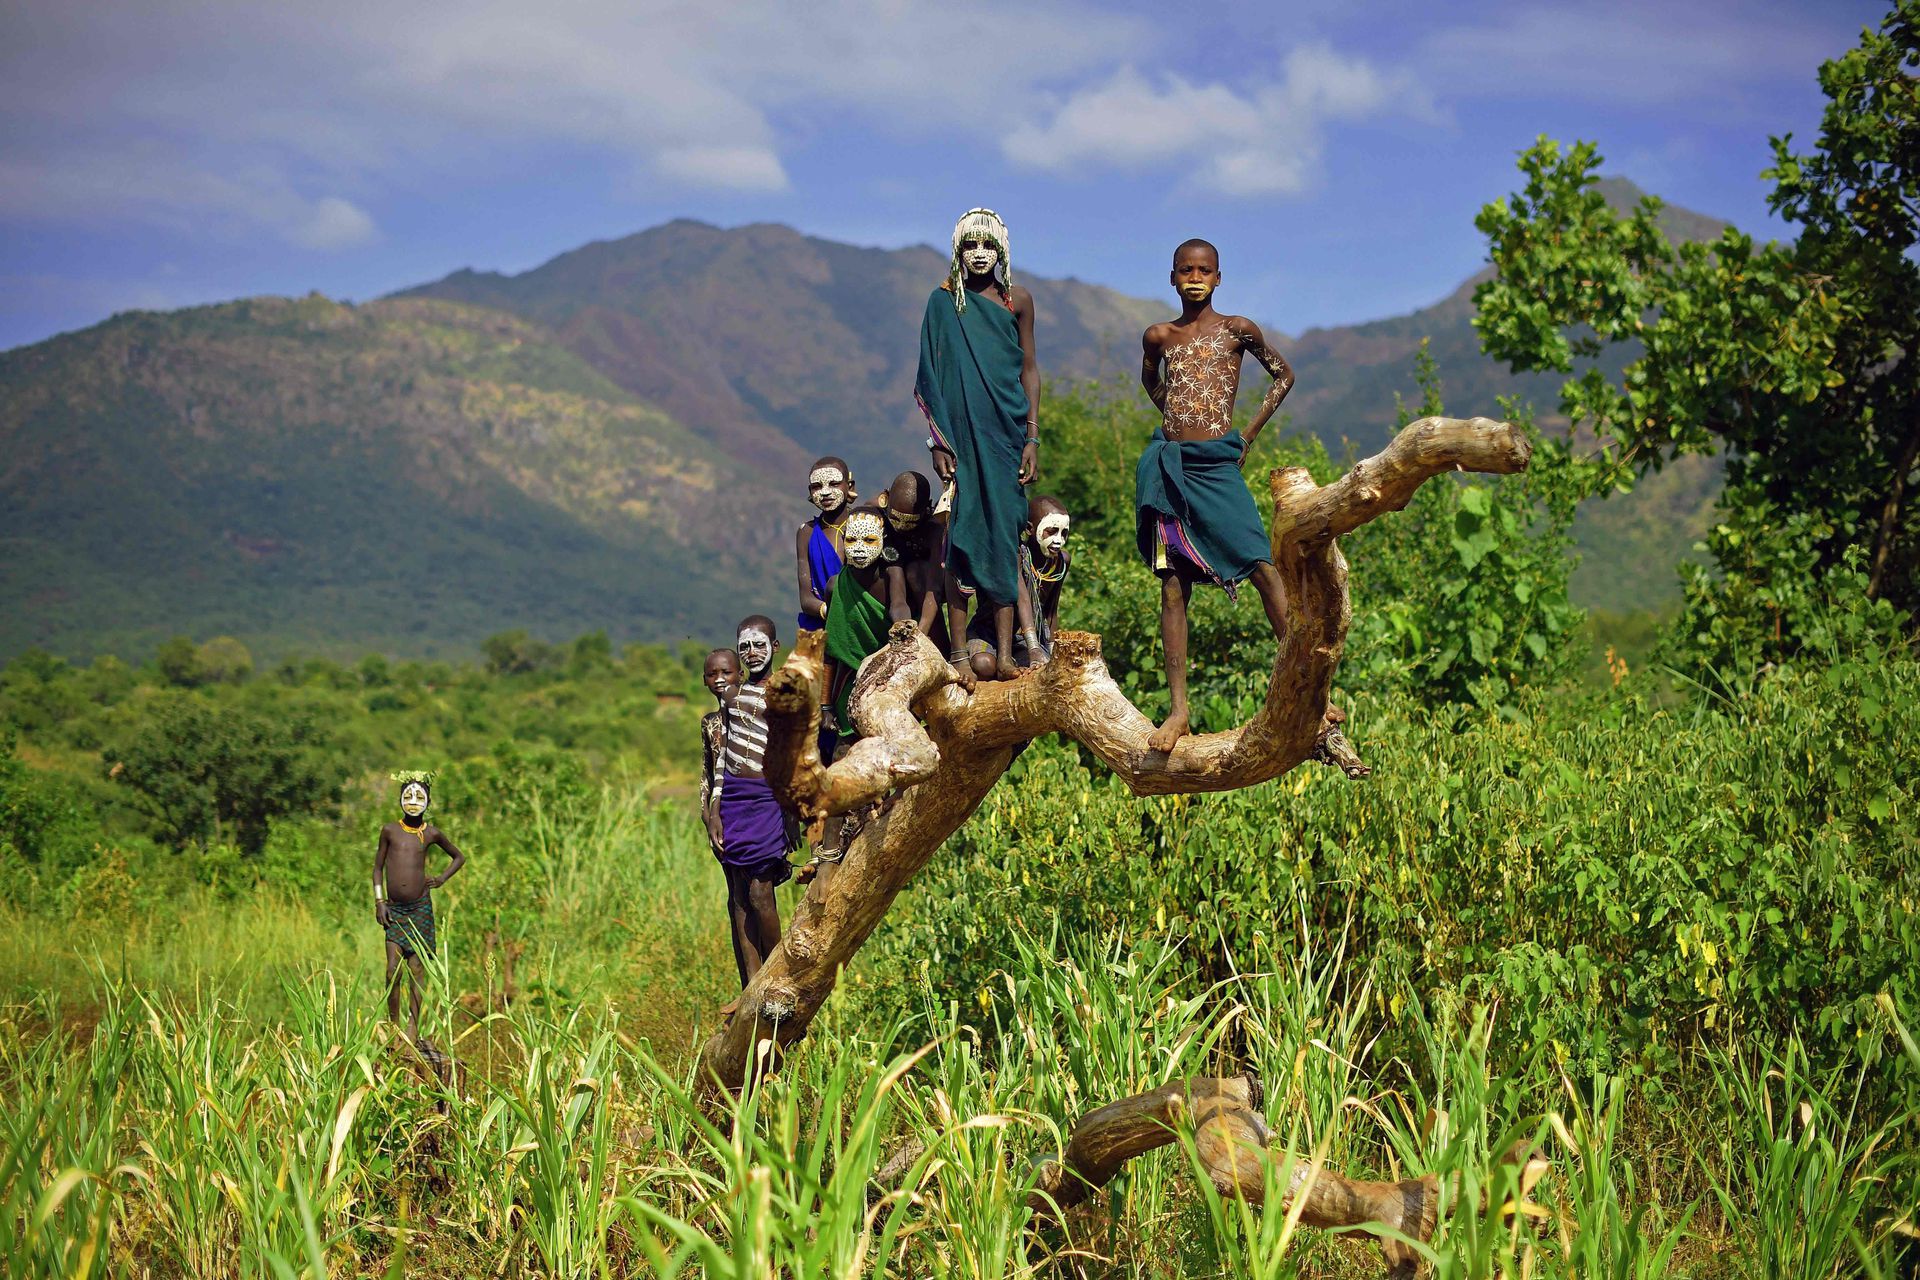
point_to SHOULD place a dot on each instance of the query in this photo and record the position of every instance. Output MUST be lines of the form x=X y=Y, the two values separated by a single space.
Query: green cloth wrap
x=857 y=626
x=1198 y=485
x=410 y=926
x=969 y=388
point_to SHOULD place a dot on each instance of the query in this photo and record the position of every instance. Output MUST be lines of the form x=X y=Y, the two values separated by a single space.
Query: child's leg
x=1273 y=595
x=763 y=921
x=1174 y=592
x=743 y=955
x=1004 y=666
x=393 y=983
x=414 y=988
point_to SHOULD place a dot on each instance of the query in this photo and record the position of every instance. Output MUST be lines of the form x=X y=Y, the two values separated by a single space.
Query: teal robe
x=969 y=388
x=1196 y=489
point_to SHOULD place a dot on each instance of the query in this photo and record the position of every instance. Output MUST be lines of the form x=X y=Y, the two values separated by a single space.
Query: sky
x=163 y=153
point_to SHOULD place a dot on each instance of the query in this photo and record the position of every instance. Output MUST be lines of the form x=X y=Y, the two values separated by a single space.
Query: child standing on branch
x=754 y=840
x=979 y=386
x=1197 y=521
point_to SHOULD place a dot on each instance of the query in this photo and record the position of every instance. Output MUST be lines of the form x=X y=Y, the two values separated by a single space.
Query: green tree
x=1795 y=359
x=178 y=661
x=224 y=660
x=205 y=772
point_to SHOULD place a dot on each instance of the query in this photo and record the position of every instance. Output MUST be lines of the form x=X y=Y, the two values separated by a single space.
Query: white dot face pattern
x=978 y=259
x=827 y=488
x=863 y=539
x=756 y=649
x=1052 y=531
x=413 y=799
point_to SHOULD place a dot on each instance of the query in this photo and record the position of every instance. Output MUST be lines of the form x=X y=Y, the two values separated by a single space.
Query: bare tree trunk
x=942 y=749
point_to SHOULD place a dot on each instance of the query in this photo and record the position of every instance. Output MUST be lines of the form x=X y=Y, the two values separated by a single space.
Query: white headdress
x=977 y=224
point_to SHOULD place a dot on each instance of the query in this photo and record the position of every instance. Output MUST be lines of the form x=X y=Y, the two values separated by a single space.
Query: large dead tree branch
x=938 y=750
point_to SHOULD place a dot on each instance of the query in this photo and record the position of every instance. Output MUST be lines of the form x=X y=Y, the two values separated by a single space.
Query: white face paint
x=1052 y=532
x=413 y=799
x=978 y=259
x=827 y=488
x=756 y=650
x=863 y=540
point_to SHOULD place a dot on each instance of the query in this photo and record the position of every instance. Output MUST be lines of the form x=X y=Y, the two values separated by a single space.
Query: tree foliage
x=1795 y=359
x=206 y=773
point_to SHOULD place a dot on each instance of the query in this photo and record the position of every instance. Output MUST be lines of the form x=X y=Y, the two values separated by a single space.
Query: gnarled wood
x=1231 y=1139
x=941 y=749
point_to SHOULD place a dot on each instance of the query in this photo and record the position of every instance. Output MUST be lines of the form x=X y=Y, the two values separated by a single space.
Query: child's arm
x=929 y=597
x=898 y=608
x=1058 y=589
x=1150 y=379
x=1254 y=343
x=810 y=604
x=1023 y=612
x=380 y=880
x=453 y=851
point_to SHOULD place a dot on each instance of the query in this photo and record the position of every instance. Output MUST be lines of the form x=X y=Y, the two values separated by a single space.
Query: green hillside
x=783 y=345
x=405 y=475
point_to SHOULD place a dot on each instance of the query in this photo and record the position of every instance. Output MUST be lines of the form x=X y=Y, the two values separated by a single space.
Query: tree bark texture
x=937 y=749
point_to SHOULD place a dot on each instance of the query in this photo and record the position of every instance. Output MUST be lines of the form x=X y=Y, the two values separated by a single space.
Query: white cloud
x=156 y=184
x=1264 y=141
x=286 y=115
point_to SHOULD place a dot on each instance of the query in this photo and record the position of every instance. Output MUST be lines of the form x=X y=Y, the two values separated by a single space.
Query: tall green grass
x=177 y=1137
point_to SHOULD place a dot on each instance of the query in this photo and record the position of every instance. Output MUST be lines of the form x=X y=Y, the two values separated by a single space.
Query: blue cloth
x=1192 y=500
x=823 y=564
x=969 y=388
x=753 y=828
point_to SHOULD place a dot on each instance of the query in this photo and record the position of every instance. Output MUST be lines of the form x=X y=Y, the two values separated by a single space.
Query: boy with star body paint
x=754 y=838
x=403 y=892
x=830 y=488
x=1196 y=520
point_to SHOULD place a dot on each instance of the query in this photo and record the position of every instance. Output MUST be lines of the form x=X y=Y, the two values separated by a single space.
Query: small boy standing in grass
x=403 y=892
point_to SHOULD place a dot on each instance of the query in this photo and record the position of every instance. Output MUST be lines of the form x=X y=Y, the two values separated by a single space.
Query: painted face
x=827 y=488
x=1196 y=274
x=864 y=539
x=721 y=677
x=756 y=649
x=1051 y=534
x=978 y=256
x=413 y=799
x=903 y=521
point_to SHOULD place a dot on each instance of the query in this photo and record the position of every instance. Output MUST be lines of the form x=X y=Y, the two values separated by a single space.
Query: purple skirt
x=753 y=829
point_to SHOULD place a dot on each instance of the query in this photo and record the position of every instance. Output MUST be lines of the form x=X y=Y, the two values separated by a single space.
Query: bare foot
x=1171 y=730
x=1005 y=669
x=730 y=1008
x=806 y=873
x=962 y=672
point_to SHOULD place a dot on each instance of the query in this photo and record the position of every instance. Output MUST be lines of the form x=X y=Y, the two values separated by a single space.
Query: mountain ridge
x=563 y=442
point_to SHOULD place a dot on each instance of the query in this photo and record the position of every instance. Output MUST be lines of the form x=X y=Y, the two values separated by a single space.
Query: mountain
x=615 y=439
x=405 y=475
x=778 y=345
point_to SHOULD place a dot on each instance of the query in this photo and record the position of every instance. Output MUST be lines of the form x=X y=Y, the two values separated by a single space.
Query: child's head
x=1048 y=524
x=830 y=484
x=722 y=673
x=756 y=643
x=863 y=538
x=1196 y=271
x=415 y=795
x=909 y=502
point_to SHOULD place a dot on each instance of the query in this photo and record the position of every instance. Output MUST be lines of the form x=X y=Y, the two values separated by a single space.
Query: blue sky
x=169 y=152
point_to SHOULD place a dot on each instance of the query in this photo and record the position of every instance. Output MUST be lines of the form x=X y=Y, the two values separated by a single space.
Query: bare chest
x=1202 y=378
